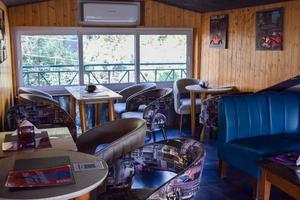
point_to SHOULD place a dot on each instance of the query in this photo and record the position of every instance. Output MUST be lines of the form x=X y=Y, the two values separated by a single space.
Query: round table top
x=85 y=181
x=213 y=90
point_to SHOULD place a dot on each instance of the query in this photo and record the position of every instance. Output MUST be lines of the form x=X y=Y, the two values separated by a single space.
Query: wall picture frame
x=3 y=38
x=218 y=31
x=269 y=29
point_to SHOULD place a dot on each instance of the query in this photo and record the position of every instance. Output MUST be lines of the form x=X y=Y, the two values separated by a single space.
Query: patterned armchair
x=209 y=112
x=42 y=115
x=185 y=157
x=127 y=92
x=151 y=105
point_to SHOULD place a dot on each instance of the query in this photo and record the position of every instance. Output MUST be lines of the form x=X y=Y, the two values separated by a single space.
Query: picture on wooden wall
x=218 y=31
x=269 y=30
x=3 y=42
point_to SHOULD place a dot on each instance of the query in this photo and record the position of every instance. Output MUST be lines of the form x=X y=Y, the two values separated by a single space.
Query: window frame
x=80 y=31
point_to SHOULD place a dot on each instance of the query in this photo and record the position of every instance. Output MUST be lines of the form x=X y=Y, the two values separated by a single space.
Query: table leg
x=82 y=116
x=111 y=110
x=73 y=107
x=193 y=113
x=266 y=186
x=202 y=133
x=98 y=113
x=86 y=196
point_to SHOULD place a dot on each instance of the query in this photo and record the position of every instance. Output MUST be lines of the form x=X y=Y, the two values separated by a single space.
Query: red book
x=40 y=177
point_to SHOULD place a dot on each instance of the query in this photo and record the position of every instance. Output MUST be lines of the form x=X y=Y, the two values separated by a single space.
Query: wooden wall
x=64 y=13
x=241 y=64
x=6 y=84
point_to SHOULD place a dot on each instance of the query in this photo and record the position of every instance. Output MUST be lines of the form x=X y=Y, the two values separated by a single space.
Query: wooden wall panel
x=64 y=13
x=241 y=64
x=6 y=83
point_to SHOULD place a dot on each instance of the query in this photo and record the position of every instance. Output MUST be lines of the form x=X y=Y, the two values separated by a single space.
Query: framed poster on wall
x=3 y=42
x=269 y=29
x=218 y=31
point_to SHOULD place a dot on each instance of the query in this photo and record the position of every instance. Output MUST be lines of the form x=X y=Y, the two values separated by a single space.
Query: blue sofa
x=255 y=126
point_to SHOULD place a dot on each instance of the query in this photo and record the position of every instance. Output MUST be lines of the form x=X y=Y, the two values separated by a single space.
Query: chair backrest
x=185 y=157
x=34 y=98
x=133 y=89
x=26 y=90
x=259 y=114
x=122 y=136
x=42 y=115
x=179 y=90
x=146 y=98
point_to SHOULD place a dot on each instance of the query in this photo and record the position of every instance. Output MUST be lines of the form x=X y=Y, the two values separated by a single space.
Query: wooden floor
x=237 y=186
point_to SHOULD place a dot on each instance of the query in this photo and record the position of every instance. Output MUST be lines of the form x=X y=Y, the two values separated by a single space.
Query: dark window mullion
x=137 y=57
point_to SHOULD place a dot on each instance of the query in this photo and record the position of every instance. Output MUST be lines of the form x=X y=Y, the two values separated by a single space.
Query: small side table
x=280 y=176
x=77 y=93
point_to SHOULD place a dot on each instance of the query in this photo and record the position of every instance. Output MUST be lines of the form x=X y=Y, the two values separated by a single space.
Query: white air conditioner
x=110 y=13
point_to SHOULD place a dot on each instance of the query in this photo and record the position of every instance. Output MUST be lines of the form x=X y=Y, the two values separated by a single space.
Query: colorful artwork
x=3 y=42
x=218 y=31
x=40 y=177
x=269 y=30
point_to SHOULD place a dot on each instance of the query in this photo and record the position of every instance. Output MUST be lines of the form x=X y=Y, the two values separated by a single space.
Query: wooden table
x=101 y=95
x=280 y=176
x=85 y=181
x=60 y=138
x=196 y=89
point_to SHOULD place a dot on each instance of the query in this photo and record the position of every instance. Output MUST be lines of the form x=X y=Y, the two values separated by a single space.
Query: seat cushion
x=120 y=107
x=185 y=106
x=132 y=115
x=244 y=153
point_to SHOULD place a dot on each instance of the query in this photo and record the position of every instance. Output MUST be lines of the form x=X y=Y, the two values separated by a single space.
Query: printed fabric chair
x=27 y=90
x=182 y=101
x=185 y=157
x=155 y=104
x=43 y=115
x=119 y=138
x=209 y=113
x=25 y=98
x=127 y=92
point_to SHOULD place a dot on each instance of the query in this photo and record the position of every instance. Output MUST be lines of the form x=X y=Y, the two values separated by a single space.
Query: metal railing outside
x=50 y=75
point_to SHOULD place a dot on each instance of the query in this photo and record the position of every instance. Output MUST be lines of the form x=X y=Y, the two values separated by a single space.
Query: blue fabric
x=255 y=126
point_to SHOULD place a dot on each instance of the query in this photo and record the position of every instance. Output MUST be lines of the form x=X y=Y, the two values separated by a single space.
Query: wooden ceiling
x=195 y=5
x=216 y=5
x=19 y=2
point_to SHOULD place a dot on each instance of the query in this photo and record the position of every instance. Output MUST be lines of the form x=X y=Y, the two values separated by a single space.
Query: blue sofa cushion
x=244 y=153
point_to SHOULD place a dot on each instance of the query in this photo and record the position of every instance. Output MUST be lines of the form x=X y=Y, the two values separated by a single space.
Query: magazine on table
x=53 y=176
x=291 y=160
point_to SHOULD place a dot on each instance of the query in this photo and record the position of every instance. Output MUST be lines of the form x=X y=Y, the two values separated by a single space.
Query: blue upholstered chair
x=255 y=126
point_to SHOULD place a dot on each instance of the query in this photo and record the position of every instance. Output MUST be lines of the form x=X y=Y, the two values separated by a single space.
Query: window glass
x=163 y=57
x=108 y=59
x=50 y=60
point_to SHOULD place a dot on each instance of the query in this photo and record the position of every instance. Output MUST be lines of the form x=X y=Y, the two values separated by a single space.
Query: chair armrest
x=133 y=102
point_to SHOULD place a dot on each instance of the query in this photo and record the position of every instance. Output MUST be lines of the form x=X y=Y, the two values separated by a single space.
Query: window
x=49 y=60
x=162 y=57
x=108 y=59
x=53 y=57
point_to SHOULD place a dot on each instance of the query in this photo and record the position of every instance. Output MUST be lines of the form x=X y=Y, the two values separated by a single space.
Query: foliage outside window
x=55 y=59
